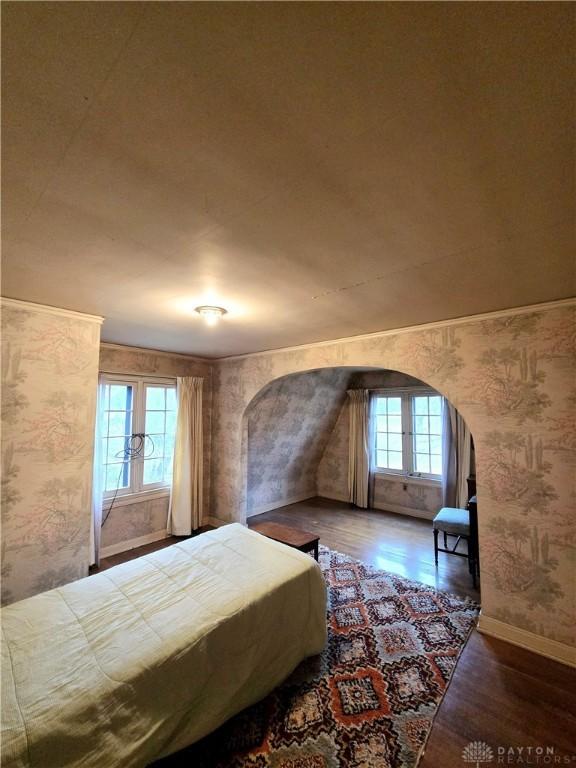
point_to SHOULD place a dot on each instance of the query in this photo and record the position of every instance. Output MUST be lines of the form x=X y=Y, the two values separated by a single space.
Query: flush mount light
x=211 y=314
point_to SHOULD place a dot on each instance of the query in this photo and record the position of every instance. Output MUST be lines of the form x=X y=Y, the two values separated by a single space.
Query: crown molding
x=528 y=309
x=48 y=310
x=150 y=351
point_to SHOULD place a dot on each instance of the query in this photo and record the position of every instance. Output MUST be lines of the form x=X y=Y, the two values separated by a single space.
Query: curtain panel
x=456 y=453
x=358 y=448
x=97 y=479
x=185 y=511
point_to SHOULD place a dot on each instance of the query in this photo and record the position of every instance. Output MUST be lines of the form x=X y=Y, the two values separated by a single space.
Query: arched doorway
x=295 y=448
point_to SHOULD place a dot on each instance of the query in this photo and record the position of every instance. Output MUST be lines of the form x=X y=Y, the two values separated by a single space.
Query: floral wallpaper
x=288 y=425
x=513 y=380
x=49 y=375
x=135 y=520
x=418 y=498
x=332 y=471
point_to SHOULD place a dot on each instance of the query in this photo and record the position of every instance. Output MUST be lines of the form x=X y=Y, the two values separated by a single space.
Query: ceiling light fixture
x=211 y=314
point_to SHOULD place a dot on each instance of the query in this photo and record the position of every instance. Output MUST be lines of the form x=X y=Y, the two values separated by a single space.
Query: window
x=408 y=434
x=139 y=424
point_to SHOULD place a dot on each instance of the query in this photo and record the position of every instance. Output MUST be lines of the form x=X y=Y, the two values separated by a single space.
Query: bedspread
x=136 y=662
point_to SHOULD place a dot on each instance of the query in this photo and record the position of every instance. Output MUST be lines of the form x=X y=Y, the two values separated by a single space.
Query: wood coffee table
x=293 y=537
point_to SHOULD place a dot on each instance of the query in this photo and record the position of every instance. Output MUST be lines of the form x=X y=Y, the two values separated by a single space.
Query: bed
x=137 y=662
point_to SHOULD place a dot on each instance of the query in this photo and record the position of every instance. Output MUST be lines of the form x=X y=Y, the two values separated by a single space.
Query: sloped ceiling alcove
x=288 y=426
x=321 y=170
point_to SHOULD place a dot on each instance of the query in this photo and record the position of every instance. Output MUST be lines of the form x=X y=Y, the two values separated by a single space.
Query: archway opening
x=295 y=464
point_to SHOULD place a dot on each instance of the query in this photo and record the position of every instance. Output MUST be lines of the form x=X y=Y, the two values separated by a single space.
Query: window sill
x=403 y=478
x=137 y=498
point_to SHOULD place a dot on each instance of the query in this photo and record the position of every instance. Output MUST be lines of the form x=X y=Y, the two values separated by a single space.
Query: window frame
x=137 y=490
x=408 y=460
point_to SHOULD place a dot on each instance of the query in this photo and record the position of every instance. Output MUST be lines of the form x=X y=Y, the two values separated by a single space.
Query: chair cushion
x=453 y=520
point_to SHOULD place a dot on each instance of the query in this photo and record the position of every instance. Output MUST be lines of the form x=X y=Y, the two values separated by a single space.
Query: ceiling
x=319 y=169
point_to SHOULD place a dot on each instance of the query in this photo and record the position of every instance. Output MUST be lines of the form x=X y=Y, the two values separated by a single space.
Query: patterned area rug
x=369 y=699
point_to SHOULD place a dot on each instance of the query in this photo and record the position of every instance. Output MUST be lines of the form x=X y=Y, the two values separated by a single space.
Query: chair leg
x=436 y=547
x=445 y=540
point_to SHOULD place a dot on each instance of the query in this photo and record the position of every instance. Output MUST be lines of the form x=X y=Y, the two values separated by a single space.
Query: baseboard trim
x=334 y=496
x=124 y=546
x=215 y=521
x=543 y=646
x=400 y=510
x=281 y=503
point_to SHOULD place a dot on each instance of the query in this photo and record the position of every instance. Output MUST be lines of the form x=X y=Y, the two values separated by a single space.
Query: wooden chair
x=453 y=521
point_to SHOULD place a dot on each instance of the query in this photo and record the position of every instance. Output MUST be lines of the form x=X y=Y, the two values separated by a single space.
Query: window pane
x=381 y=423
x=154 y=446
x=420 y=405
x=153 y=471
x=381 y=441
x=395 y=442
x=422 y=462
x=154 y=422
x=381 y=459
x=171 y=423
x=117 y=476
x=120 y=397
x=421 y=444
x=380 y=405
x=394 y=405
x=436 y=444
x=435 y=405
x=171 y=399
x=394 y=460
x=116 y=448
x=421 y=424
x=119 y=423
x=155 y=398
x=394 y=424
x=435 y=425
x=168 y=462
x=169 y=446
x=436 y=465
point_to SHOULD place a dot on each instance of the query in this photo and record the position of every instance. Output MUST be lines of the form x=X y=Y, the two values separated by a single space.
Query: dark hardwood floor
x=499 y=694
x=386 y=540
x=508 y=698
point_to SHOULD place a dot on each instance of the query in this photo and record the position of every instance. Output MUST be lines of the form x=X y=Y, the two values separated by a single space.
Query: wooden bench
x=293 y=537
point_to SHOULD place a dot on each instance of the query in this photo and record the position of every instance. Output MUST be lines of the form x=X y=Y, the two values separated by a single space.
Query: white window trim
x=406 y=475
x=137 y=491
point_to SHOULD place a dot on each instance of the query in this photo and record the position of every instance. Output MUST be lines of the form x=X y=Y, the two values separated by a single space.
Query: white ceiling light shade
x=211 y=314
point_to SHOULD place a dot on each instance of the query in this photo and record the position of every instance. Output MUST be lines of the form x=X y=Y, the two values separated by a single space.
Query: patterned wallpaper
x=513 y=380
x=146 y=517
x=288 y=425
x=332 y=470
x=135 y=520
x=49 y=376
x=412 y=497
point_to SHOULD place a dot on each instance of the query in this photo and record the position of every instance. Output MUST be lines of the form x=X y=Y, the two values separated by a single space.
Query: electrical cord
x=129 y=452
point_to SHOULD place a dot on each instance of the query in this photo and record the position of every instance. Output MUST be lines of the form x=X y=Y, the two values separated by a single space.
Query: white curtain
x=456 y=452
x=185 y=512
x=358 y=447
x=97 y=479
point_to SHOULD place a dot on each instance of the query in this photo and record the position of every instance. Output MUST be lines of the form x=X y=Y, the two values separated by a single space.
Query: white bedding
x=145 y=658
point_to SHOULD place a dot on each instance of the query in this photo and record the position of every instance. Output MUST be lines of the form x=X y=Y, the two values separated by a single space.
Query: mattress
x=134 y=663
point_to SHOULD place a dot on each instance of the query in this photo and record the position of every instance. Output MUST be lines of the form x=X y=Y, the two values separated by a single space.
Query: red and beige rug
x=369 y=699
